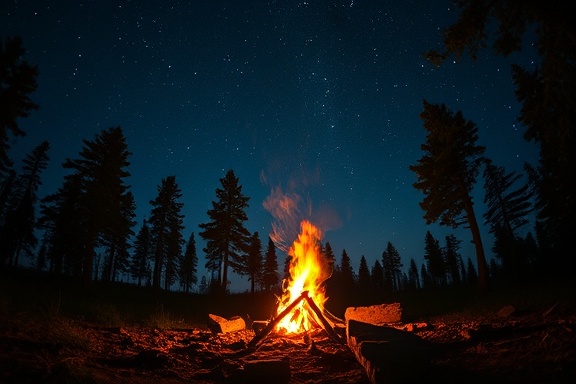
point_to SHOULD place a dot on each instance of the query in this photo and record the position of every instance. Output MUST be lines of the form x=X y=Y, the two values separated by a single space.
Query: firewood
x=221 y=325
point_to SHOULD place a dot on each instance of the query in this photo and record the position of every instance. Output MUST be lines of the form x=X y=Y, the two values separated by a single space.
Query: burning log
x=276 y=320
x=325 y=324
x=303 y=296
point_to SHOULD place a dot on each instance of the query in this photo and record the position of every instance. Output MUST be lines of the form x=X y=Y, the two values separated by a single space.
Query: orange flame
x=308 y=270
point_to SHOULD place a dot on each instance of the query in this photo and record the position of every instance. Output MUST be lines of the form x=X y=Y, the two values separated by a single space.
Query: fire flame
x=308 y=270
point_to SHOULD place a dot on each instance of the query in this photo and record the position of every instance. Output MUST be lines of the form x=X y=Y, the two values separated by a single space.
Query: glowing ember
x=308 y=270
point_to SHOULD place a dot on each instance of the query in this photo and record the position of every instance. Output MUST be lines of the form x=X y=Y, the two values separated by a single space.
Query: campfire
x=301 y=305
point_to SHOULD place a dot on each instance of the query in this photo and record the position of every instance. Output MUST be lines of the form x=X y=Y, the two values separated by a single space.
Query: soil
x=505 y=347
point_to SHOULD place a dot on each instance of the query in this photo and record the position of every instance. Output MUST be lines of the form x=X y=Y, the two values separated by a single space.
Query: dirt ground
x=507 y=347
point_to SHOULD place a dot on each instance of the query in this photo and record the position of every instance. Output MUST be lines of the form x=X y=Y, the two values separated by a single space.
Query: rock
x=376 y=314
x=221 y=325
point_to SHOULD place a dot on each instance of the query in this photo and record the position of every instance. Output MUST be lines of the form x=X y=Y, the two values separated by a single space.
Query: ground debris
x=519 y=348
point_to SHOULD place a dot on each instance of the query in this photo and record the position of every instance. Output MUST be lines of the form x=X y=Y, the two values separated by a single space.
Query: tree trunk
x=477 y=240
x=224 y=273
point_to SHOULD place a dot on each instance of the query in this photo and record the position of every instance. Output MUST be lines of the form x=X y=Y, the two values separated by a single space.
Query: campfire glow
x=308 y=270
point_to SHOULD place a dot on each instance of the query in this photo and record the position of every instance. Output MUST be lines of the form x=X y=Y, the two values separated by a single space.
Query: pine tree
x=189 y=266
x=173 y=257
x=507 y=211
x=254 y=264
x=451 y=257
x=140 y=261
x=546 y=92
x=392 y=266
x=226 y=237
x=166 y=232
x=377 y=277
x=270 y=278
x=116 y=239
x=434 y=260
x=471 y=274
x=425 y=277
x=413 y=277
x=100 y=170
x=346 y=280
x=63 y=220
x=17 y=81
x=329 y=255
x=7 y=187
x=364 y=280
x=203 y=288
x=18 y=230
x=447 y=173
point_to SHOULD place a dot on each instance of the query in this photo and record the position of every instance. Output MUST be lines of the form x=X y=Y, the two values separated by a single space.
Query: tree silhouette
x=254 y=265
x=452 y=259
x=7 y=186
x=116 y=239
x=141 y=256
x=377 y=277
x=166 y=232
x=17 y=233
x=434 y=260
x=103 y=199
x=364 y=279
x=447 y=172
x=270 y=279
x=17 y=81
x=62 y=217
x=413 y=276
x=189 y=265
x=426 y=279
x=547 y=94
x=226 y=237
x=392 y=267
x=346 y=280
x=507 y=211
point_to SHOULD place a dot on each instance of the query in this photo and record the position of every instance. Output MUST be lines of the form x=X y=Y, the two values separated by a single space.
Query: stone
x=219 y=324
x=375 y=314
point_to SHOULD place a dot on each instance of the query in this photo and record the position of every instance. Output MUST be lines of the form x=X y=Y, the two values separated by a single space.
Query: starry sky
x=315 y=99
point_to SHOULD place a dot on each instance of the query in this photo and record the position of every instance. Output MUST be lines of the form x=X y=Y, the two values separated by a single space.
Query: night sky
x=320 y=99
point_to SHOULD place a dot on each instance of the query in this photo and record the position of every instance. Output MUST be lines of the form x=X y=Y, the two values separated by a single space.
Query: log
x=256 y=339
x=381 y=314
x=389 y=355
x=327 y=327
x=221 y=325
